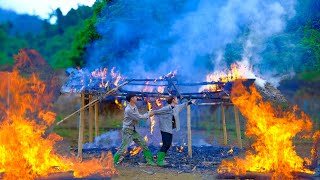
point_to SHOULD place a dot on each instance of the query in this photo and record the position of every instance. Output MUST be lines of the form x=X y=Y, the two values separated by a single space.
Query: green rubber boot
x=116 y=158
x=160 y=159
x=147 y=154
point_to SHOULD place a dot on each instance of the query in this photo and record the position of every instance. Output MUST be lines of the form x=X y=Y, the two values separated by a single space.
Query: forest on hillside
x=64 y=43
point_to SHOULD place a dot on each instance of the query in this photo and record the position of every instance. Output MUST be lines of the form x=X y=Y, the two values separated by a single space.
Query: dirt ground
x=144 y=173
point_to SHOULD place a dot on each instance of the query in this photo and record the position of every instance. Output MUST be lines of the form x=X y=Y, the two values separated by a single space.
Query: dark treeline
x=62 y=44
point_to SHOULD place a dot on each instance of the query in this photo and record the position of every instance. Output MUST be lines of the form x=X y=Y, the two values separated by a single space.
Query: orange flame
x=99 y=73
x=230 y=151
x=158 y=102
x=118 y=103
x=237 y=71
x=103 y=75
x=26 y=149
x=136 y=150
x=179 y=149
x=117 y=80
x=161 y=89
x=273 y=130
x=147 y=88
x=169 y=75
x=146 y=138
x=153 y=122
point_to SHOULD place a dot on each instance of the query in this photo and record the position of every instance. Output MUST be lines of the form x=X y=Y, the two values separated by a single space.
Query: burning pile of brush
x=26 y=147
x=274 y=130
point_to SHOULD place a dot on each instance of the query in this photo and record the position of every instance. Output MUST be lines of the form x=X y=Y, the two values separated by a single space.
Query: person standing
x=168 y=121
x=129 y=133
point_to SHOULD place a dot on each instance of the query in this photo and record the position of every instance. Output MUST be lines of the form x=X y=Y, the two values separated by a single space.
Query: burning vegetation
x=273 y=130
x=26 y=147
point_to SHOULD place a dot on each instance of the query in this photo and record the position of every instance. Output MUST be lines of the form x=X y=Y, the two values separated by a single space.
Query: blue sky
x=42 y=8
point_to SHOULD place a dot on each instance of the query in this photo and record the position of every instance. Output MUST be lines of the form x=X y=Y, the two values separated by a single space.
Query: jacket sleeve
x=136 y=115
x=164 y=110
x=180 y=107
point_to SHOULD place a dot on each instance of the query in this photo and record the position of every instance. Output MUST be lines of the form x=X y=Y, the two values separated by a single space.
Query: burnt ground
x=204 y=162
x=205 y=157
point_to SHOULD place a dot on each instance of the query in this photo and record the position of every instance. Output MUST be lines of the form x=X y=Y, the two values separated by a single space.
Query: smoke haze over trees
x=275 y=37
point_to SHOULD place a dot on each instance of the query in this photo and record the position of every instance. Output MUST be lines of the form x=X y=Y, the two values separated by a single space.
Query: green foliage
x=87 y=35
x=62 y=44
x=312 y=41
x=9 y=45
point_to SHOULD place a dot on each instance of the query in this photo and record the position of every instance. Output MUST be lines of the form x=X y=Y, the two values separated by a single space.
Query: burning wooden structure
x=215 y=93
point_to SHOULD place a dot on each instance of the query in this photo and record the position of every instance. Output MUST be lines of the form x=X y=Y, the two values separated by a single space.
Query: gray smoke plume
x=151 y=38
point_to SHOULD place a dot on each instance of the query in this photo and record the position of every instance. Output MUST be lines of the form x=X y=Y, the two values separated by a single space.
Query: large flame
x=238 y=70
x=26 y=148
x=273 y=130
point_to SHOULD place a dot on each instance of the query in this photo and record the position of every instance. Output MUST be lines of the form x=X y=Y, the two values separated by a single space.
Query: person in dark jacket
x=129 y=133
x=168 y=121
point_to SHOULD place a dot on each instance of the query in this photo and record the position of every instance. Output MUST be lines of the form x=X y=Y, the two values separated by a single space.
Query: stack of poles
x=93 y=121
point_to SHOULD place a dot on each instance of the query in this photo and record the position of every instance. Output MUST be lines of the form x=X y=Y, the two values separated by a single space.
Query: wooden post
x=237 y=121
x=91 y=120
x=81 y=128
x=189 y=131
x=96 y=118
x=224 y=127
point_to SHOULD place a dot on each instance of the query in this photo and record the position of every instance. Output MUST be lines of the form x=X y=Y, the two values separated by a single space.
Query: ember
x=179 y=149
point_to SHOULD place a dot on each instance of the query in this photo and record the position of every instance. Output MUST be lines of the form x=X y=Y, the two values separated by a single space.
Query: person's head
x=131 y=97
x=172 y=100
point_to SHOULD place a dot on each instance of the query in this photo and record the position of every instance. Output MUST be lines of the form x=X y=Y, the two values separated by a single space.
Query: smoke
x=151 y=38
x=107 y=140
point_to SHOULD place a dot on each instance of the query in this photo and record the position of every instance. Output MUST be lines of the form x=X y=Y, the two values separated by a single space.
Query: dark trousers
x=166 y=141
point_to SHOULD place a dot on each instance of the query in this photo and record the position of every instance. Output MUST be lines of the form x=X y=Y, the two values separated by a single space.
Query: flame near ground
x=26 y=149
x=273 y=130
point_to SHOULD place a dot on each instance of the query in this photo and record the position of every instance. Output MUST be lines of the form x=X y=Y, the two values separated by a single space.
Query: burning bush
x=273 y=130
x=25 y=106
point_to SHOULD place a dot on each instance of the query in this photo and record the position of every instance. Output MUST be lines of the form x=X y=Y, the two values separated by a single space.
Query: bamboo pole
x=189 y=131
x=81 y=128
x=94 y=101
x=224 y=127
x=96 y=118
x=91 y=120
x=237 y=121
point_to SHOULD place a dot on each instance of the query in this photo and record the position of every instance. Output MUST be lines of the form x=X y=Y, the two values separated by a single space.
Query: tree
x=87 y=35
